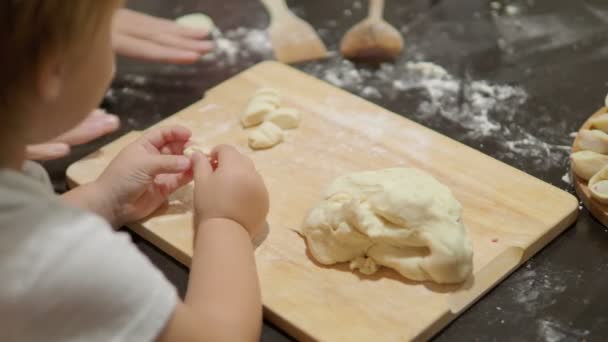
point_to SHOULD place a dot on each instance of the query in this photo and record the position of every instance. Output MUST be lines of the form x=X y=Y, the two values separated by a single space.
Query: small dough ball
x=256 y=112
x=593 y=140
x=265 y=136
x=600 y=122
x=598 y=186
x=189 y=151
x=196 y=21
x=286 y=118
x=585 y=164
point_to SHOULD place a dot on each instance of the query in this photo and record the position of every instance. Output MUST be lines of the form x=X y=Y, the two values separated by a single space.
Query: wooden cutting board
x=509 y=214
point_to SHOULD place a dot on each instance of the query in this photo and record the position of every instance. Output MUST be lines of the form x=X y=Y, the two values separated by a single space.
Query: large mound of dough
x=399 y=218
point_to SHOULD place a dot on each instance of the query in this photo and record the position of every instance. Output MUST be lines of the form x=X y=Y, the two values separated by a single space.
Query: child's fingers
x=202 y=167
x=227 y=157
x=160 y=164
x=170 y=183
x=47 y=151
x=174 y=148
x=160 y=137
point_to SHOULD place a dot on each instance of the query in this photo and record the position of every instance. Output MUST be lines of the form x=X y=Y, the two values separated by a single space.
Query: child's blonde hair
x=32 y=30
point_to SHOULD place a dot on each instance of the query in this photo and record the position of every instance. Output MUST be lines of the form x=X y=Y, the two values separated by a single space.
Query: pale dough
x=286 y=118
x=269 y=95
x=598 y=185
x=256 y=112
x=263 y=102
x=265 y=136
x=189 y=151
x=196 y=20
x=600 y=122
x=587 y=163
x=399 y=218
x=593 y=140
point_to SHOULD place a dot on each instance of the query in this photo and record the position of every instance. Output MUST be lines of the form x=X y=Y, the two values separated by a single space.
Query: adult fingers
x=48 y=151
x=183 y=43
x=96 y=125
x=142 y=25
x=133 y=47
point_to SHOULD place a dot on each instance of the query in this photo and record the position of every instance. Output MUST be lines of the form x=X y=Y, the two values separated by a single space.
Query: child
x=66 y=275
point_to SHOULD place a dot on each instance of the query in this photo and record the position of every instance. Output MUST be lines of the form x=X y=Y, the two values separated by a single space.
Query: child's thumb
x=166 y=164
x=202 y=167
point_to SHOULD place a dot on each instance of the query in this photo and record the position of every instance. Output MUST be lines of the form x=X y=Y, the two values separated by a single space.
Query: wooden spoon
x=372 y=39
x=293 y=39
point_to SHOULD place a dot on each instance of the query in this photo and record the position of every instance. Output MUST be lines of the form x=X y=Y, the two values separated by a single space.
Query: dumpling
x=598 y=185
x=593 y=140
x=585 y=164
x=600 y=122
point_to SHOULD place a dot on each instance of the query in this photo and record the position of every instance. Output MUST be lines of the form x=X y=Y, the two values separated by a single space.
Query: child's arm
x=223 y=299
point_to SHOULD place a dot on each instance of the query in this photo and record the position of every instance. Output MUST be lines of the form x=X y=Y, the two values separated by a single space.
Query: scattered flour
x=552 y=331
x=239 y=44
x=486 y=112
x=566 y=178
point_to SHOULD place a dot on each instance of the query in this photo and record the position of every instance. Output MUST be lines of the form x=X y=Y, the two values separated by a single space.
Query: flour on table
x=234 y=46
x=482 y=111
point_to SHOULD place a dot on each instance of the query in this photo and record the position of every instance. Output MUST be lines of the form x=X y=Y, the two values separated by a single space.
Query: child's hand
x=234 y=191
x=144 y=174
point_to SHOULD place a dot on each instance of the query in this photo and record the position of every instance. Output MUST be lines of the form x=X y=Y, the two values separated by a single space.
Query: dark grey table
x=556 y=51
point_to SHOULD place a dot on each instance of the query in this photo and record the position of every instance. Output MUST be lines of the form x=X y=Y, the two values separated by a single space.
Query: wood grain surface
x=509 y=214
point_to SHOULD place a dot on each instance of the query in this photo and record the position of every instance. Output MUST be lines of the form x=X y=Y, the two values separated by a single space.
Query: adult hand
x=138 y=35
x=97 y=124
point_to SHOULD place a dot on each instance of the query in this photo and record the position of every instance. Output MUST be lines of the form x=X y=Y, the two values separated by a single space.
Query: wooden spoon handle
x=276 y=8
x=376 y=9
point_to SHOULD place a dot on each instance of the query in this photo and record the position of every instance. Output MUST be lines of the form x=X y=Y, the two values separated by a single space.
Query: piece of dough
x=593 y=140
x=189 y=151
x=399 y=218
x=269 y=95
x=265 y=136
x=600 y=122
x=286 y=118
x=197 y=21
x=598 y=185
x=256 y=112
x=585 y=164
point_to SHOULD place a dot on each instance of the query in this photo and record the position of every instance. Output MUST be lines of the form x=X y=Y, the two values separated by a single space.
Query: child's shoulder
x=28 y=206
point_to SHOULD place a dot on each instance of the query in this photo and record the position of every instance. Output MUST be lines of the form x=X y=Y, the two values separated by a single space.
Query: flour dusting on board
x=484 y=111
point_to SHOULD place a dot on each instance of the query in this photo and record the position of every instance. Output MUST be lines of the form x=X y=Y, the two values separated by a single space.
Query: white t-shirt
x=65 y=275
